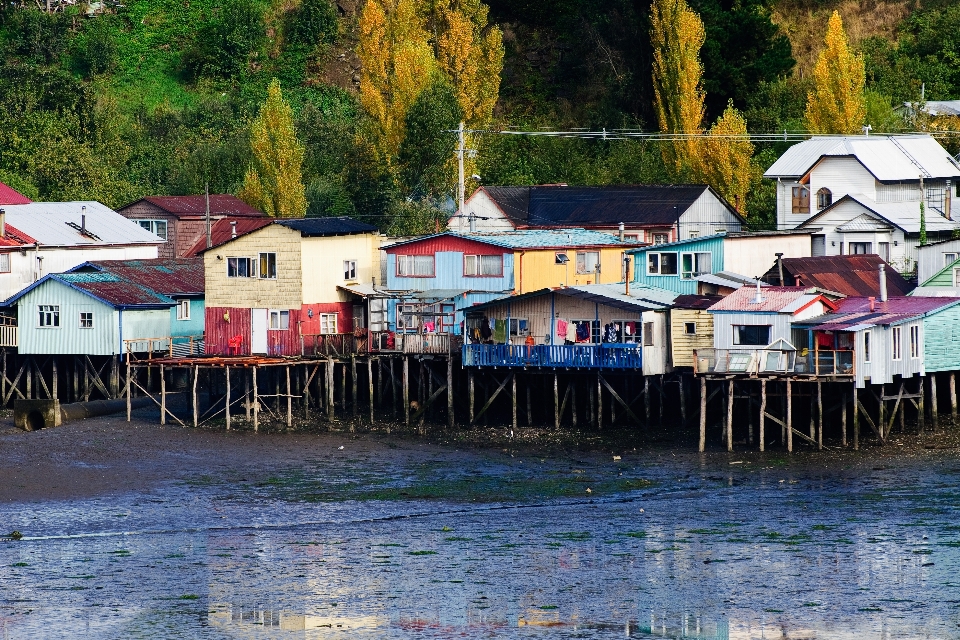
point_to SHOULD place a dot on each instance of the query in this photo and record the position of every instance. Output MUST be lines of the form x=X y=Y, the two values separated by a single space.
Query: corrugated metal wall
x=723 y=323
x=448 y=274
x=191 y=327
x=675 y=283
x=311 y=326
x=69 y=337
x=941 y=346
x=219 y=329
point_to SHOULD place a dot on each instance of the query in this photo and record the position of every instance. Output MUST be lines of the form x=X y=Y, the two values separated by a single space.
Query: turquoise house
x=944 y=283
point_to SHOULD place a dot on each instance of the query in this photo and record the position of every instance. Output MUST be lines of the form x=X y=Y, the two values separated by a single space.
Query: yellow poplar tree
x=725 y=159
x=837 y=103
x=396 y=62
x=677 y=33
x=274 y=182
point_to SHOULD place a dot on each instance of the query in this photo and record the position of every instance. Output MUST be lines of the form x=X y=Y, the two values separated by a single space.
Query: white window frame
x=152 y=225
x=736 y=335
x=949 y=258
x=691 y=275
x=237 y=261
x=326 y=321
x=582 y=258
x=5 y=263
x=49 y=316
x=349 y=269
x=406 y=266
x=956 y=276
x=279 y=320
x=270 y=273
x=694 y=234
x=914 y=341
x=81 y=320
x=660 y=237
x=659 y=260
x=866 y=346
x=473 y=265
x=636 y=337
x=896 y=341
x=183 y=309
x=515 y=327
x=596 y=331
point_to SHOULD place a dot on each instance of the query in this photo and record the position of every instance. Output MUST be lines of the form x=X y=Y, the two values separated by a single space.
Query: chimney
x=780 y=267
x=873 y=304
x=626 y=273
x=233 y=228
x=473 y=223
x=83 y=220
x=621 y=232
x=883 y=282
x=3 y=223
x=759 y=298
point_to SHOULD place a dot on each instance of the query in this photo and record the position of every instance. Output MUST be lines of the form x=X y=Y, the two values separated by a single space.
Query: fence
x=772 y=361
x=174 y=347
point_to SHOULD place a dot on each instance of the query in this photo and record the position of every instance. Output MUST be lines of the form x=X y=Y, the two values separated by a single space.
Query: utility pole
x=461 y=184
x=206 y=195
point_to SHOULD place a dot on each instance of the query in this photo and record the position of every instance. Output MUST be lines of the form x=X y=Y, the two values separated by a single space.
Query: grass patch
x=422 y=553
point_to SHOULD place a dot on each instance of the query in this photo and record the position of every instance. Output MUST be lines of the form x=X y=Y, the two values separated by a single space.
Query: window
x=406 y=317
x=239 y=268
x=801 y=199
x=279 y=320
x=662 y=264
x=49 y=315
x=861 y=248
x=183 y=310
x=690 y=328
x=948 y=258
x=956 y=277
x=694 y=234
x=268 y=266
x=866 y=346
x=824 y=198
x=519 y=327
x=623 y=332
x=328 y=323
x=483 y=265
x=349 y=269
x=883 y=250
x=897 y=344
x=86 y=320
x=914 y=341
x=660 y=238
x=4 y=263
x=751 y=334
x=587 y=331
x=561 y=258
x=156 y=227
x=694 y=264
x=415 y=266
x=648 y=334
x=588 y=262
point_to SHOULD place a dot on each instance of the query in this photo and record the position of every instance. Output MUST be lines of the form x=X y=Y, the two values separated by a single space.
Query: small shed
x=691 y=327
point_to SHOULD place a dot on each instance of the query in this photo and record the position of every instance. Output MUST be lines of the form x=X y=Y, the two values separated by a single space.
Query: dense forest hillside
x=158 y=96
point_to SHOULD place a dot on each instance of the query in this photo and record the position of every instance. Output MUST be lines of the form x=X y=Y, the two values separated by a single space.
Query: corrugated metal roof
x=221 y=232
x=774 y=299
x=114 y=290
x=888 y=158
x=169 y=276
x=8 y=195
x=904 y=215
x=611 y=294
x=192 y=206
x=340 y=226
x=851 y=275
x=364 y=290
x=691 y=301
x=728 y=279
x=722 y=234
x=13 y=237
x=514 y=202
x=57 y=224
x=438 y=294
x=854 y=313
x=864 y=222
x=534 y=239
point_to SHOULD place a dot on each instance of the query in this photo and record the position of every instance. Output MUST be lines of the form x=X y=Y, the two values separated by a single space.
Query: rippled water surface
x=499 y=546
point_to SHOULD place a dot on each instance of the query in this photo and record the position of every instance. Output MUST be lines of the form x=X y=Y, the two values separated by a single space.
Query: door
x=258 y=330
x=819 y=247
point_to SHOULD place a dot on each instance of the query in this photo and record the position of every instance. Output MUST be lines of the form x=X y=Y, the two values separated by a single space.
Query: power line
x=636 y=134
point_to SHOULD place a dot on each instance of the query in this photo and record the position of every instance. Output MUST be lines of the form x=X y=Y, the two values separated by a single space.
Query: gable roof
x=196 y=206
x=903 y=215
x=533 y=239
x=853 y=314
x=946 y=269
x=851 y=275
x=168 y=276
x=108 y=288
x=58 y=224
x=888 y=158
x=773 y=300
x=566 y=206
x=641 y=298
x=8 y=195
x=221 y=232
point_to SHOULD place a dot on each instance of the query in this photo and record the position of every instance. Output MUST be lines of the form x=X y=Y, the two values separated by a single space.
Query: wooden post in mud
x=921 y=412
x=703 y=414
x=573 y=404
x=343 y=387
x=370 y=384
x=933 y=401
x=471 y=392
x=246 y=395
x=763 y=412
x=289 y=398
x=226 y=403
x=196 y=407
x=683 y=404
x=661 y=396
x=514 y=402
x=114 y=377
x=129 y=402
x=599 y=404
x=330 y=388
x=646 y=401
x=819 y=416
x=556 y=403
x=53 y=379
x=256 y=400
x=353 y=388
x=843 y=419
x=953 y=396
x=406 y=391
x=881 y=419
x=730 y=416
x=856 y=419
x=163 y=394
x=813 y=427
x=451 y=421
x=789 y=419
x=529 y=405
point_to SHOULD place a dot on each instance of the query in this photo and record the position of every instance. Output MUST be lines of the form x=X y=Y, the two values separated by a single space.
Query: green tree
x=836 y=103
x=96 y=50
x=274 y=182
x=313 y=22
x=426 y=153
x=225 y=45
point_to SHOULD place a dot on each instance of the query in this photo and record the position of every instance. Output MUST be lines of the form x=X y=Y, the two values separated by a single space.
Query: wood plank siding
x=683 y=343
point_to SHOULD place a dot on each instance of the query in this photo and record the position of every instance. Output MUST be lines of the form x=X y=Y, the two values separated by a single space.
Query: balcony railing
x=772 y=362
x=333 y=344
x=593 y=356
x=416 y=343
x=166 y=347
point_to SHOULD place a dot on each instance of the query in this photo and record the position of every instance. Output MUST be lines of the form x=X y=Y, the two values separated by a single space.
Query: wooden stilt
x=843 y=418
x=394 y=395
x=330 y=388
x=226 y=402
x=76 y=377
x=591 y=413
x=789 y=419
x=646 y=401
x=29 y=364
x=370 y=384
x=193 y=397
x=813 y=424
x=114 y=376
x=451 y=418
x=856 y=419
x=921 y=410
x=513 y=399
x=683 y=403
x=163 y=394
x=353 y=388
x=256 y=400
x=703 y=414
x=129 y=400
x=246 y=395
x=660 y=402
x=953 y=396
x=730 y=416
x=529 y=405
x=599 y=404
x=819 y=415
x=290 y=398
x=881 y=409
x=573 y=405
x=53 y=379
x=556 y=403
x=471 y=392
x=343 y=388
x=613 y=410
x=406 y=391
x=3 y=379
x=933 y=401
x=763 y=414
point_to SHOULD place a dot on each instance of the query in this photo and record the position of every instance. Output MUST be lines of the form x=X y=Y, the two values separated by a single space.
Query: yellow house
x=269 y=282
x=691 y=327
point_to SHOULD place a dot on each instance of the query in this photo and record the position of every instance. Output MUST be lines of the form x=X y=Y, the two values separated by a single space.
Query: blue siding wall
x=675 y=283
x=192 y=327
x=449 y=275
x=941 y=335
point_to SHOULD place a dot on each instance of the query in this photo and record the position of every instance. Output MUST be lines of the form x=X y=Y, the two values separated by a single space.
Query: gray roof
x=340 y=226
x=888 y=158
x=728 y=279
x=615 y=295
x=903 y=215
x=534 y=239
x=57 y=224
x=937 y=107
x=864 y=222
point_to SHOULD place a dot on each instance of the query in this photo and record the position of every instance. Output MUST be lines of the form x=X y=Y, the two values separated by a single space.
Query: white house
x=878 y=179
x=648 y=213
x=934 y=256
x=40 y=238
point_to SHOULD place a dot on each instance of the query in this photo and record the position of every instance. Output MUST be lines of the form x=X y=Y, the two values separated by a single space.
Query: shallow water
x=758 y=549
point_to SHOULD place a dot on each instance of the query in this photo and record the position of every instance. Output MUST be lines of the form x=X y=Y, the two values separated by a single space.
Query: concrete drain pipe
x=32 y=415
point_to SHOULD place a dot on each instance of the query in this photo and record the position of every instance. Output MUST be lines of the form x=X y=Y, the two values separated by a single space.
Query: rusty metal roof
x=772 y=300
x=851 y=275
x=169 y=276
x=193 y=206
x=9 y=195
x=692 y=301
x=221 y=232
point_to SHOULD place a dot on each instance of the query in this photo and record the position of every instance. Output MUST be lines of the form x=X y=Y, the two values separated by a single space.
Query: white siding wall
x=786 y=219
x=655 y=358
x=882 y=367
x=489 y=216
x=841 y=176
x=706 y=216
x=754 y=256
x=723 y=327
x=930 y=258
x=902 y=255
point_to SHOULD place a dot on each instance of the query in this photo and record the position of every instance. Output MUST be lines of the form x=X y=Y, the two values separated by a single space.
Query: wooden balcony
x=416 y=343
x=589 y=356
x=772 y=362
